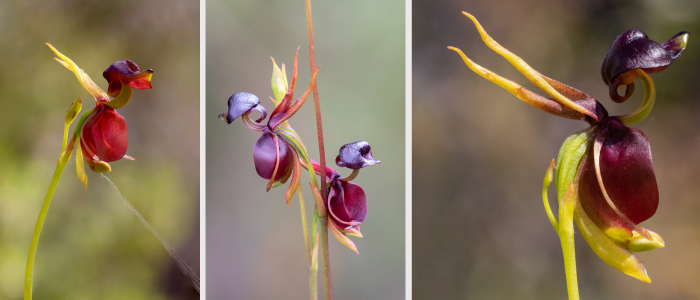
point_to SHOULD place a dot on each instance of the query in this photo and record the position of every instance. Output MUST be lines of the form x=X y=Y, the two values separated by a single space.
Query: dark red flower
x=274 y=157
x=634 y=50
x=103 y=136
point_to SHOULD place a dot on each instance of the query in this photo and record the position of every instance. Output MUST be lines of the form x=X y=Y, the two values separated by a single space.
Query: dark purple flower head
x=634 y=50
x=347 y=206
x=274 y=156
x=243 y=103
x=126 y=72
x=355 y=155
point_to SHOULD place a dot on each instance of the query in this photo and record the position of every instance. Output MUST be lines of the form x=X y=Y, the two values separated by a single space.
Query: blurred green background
x=92 y=246
x=480 y=154
x=255 y=248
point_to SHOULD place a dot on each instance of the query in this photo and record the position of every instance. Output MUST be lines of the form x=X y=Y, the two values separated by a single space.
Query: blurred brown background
x=480 y=154
x=92 y=246
x=255 y=248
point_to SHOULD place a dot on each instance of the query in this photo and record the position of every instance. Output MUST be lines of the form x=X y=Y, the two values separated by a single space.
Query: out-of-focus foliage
x=92 y=246
x=255 y=248
x=479 y=229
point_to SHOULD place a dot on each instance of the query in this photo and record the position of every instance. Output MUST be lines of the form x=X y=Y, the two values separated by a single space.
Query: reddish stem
x=321 y=149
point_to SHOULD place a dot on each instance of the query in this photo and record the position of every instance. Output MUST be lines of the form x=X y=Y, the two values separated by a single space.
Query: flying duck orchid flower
x=101 y=134
x=347 y=204
x=605 y=179
x=277 y=151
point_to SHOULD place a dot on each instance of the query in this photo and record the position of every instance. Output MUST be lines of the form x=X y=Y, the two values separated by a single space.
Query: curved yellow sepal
x=341 y=237
x=610 y=252
x=80 y=168
x=532 y=75
x=83 y=78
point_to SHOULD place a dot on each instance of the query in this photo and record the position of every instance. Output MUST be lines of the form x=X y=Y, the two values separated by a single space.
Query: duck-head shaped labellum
x=126 y=72
x=634 y=50
x=240 y=104
x=355 y=155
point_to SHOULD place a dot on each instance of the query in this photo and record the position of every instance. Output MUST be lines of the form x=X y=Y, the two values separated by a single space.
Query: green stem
x=29 y=272
x=326 y=257
x=566 y=235
x=313 y=276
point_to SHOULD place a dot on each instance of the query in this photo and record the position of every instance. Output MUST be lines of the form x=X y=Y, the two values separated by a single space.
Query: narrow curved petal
x=265 y=158
x=355 y=155
x=104 y=134
x=126 y=71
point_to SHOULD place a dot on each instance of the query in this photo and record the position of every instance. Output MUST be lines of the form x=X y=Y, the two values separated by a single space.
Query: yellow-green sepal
x=79 y=166
x=639 y=244
x=610 y=252
x=568 y=160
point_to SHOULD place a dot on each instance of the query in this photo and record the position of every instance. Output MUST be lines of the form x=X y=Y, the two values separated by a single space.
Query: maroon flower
x=347 y=204
x=634 y=50
x=103 y=136
x=608 y=166
x=275 y=158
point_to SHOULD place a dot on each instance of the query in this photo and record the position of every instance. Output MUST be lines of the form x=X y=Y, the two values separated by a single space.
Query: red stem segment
x=321 y=149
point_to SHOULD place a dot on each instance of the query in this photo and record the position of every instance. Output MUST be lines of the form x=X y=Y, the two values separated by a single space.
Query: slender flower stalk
x=322 y=152
x=100 y=134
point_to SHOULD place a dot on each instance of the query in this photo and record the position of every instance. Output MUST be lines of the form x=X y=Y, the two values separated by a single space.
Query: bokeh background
x=92 y=246
x=255 y=248
x=480 y=154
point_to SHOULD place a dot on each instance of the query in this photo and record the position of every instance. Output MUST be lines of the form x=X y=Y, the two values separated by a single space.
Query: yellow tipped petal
x=638 y=243
x=532 y=75
x=80 y=168
x=83 y=78
x=353 y=232
x=529 y=97
x=341 y=237
x=610 y=252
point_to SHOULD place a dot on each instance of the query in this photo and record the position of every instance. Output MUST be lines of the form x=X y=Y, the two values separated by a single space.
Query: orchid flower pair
x=605 y=179
x=279 y=154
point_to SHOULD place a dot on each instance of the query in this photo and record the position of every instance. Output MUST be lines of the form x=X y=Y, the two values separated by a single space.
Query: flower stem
x=313 y=274
x=321 y=149
x=29 y=272
x=566 y=235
